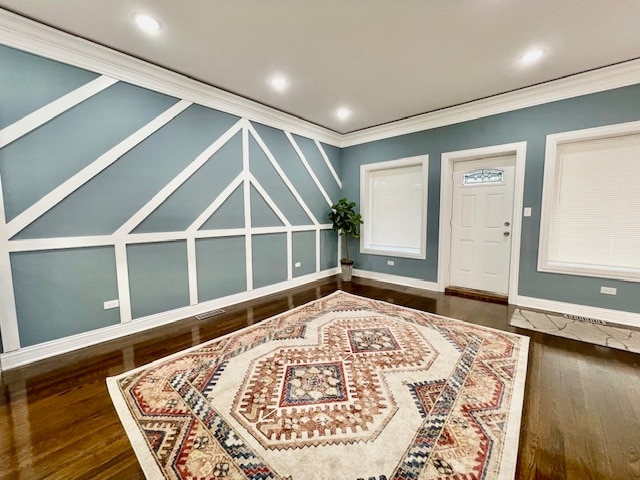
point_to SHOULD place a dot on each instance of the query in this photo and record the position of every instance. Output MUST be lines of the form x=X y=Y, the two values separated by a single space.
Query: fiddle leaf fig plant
x=346 y=222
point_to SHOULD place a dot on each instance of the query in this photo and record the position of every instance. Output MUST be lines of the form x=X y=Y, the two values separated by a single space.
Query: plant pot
x=347 y=269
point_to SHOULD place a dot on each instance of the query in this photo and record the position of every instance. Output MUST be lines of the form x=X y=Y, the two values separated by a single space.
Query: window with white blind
x=591 y=203
x=394 y=207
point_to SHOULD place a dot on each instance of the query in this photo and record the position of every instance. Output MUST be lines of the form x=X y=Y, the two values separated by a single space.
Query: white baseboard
x=44 y=350
x=610 y=316
x=398 y=280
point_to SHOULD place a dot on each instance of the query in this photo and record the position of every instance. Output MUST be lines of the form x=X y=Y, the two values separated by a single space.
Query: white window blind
x=394 y=208
x=594 y=213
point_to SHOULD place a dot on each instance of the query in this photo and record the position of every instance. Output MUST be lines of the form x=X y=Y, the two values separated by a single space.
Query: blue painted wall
x=531 y=125
x=158 y=277
x=222 y=267
x=60 y=292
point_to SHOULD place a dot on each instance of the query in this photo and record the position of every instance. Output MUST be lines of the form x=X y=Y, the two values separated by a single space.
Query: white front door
x=481 y=220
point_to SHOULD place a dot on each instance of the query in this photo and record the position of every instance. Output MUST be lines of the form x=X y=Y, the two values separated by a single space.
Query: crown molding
x=39 y=39
x=593 y=81
x=33 y=37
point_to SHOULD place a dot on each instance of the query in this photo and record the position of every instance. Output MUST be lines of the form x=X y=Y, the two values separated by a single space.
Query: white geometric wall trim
x=304 y=161
x=62 y=243
x=122 y=277
x=125 y=236
x=263 y=193
x=113 y=67
x=283 y=175
x=41 y=116
x=178 y=180
x=246 y=193
x=328 y=162
x=217 y=203
x=58 y=194
x=192 y=270
x=8 y=315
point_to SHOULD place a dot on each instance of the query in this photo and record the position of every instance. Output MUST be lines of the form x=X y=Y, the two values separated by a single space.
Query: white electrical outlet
x=391 y=263
x=527 y=211
x=609 y=290
x=298 y=264
x=111 y=304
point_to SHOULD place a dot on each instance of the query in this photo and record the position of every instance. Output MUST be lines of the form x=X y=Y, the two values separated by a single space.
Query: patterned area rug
x=578 y=328
x=343 y=388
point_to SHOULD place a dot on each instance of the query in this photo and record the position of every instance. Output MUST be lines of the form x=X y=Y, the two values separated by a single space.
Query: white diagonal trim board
x=51 y=110
x=304 y=161
x=217 y=203
x=58 y=194
x=8 y=314
x=328 y=162
x=283 y=175
x=178 y=180
x=267 y=198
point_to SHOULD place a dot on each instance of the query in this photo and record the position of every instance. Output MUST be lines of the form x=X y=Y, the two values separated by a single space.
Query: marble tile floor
x=578 y=328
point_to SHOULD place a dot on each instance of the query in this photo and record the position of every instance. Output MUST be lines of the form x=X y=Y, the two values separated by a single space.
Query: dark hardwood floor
x=581 y=417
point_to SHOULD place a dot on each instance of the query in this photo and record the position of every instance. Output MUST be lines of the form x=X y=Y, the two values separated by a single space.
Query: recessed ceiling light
x=279 y=83
x=147 y=23
x=343 y=113
x=532 y=55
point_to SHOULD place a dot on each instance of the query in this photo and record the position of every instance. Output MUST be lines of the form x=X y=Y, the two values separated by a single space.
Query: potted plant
x=346 y=222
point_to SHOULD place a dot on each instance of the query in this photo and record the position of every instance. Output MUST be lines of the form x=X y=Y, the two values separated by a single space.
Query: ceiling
x=384 y=60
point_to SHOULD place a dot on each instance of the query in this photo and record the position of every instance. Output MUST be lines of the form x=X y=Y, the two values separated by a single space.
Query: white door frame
x=518 y=149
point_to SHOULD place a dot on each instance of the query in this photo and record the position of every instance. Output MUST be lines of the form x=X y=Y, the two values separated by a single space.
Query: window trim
x=548 y=192
x=365 y=171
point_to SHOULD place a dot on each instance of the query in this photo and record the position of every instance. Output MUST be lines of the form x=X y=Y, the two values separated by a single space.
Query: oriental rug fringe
x=343 y=388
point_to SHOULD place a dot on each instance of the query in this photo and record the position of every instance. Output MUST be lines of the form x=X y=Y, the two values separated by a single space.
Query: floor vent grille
x=584 y=319
x=212 y=313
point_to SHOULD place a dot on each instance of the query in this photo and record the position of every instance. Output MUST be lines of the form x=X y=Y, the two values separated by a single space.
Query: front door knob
x=506 y=234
